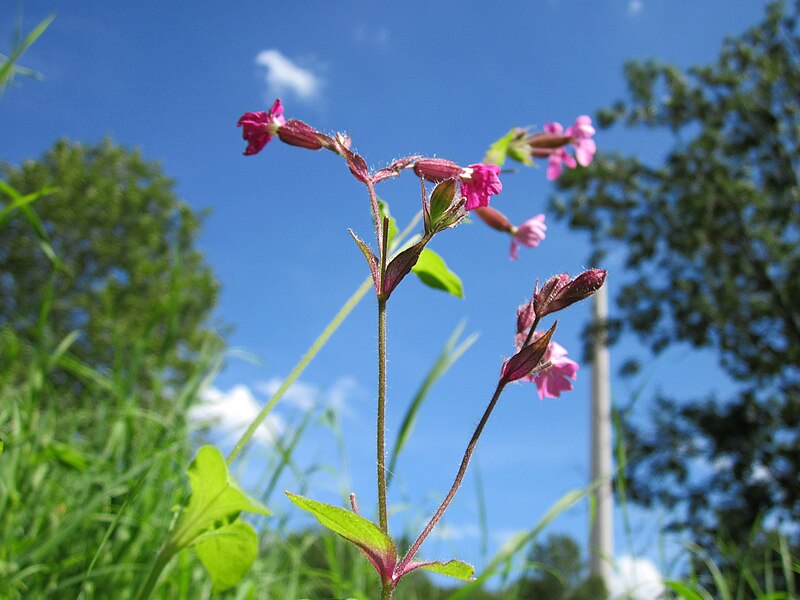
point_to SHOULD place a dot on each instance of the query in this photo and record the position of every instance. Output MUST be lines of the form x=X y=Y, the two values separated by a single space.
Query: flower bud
x=494 y=219
x=542 y=144
x=559 y=292
x=297 y=133
x=437 y=169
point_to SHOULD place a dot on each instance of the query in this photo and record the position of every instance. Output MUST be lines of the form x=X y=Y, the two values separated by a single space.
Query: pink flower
x=258 y=128
x=556 y=378
x=582 y=132
x=478 y=182
x=558 y=155
x=529 y=234
x=551 y=382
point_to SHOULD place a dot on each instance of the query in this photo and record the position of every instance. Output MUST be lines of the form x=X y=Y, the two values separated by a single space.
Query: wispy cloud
x=305 y=396
x=285 y=76
x=229 y=413
x=635 y=7
x=378 y=37
x=455 y=533
x=636 y=578
x=300 y=395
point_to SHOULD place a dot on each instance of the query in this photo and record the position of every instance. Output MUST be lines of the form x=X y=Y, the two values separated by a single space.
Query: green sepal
x=434 y=272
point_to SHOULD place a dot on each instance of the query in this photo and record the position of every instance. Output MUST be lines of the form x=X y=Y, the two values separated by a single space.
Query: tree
x=560 y=573
x=711 y=238
x=126 y=276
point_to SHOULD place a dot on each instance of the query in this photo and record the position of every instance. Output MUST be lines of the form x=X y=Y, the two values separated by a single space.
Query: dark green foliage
x=711 y=237
x=559 y=573
x=131 y=280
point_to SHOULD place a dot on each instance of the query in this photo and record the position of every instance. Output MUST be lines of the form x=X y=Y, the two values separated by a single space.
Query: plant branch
x=456 y=484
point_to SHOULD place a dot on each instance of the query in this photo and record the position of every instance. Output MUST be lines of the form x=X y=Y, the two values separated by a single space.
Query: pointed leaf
x=228 y=553
x=372 y=260
x=451 y=568
x=496 y=154
x=401 y=265
x=216 y=499
x=434 y=272
x=685 y=592
x=375 y=544
x=523 y=362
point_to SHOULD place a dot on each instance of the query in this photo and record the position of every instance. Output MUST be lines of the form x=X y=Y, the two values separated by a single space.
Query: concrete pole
x=601 y=542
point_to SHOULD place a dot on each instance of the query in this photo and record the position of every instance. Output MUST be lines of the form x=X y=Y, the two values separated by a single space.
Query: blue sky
x=443 y=79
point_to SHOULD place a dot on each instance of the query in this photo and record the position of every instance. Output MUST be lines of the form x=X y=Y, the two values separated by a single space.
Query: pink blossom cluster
x=548 y=367
x=552 y=144
x=579 y=136
x=479 y=182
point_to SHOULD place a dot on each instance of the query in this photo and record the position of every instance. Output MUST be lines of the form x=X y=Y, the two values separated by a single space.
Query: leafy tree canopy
x=711 y=237
x=127 y=275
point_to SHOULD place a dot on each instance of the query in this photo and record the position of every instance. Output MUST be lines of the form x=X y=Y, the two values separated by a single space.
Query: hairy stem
x=382 y=415
x=386 y=592
x=456 y=484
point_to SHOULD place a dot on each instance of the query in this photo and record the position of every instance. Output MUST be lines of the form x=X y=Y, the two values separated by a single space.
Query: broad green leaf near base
x=434 y=272
x=210 y=520
x=451 y=568
x=216 y=498
x=228 y=553
x=355 y=528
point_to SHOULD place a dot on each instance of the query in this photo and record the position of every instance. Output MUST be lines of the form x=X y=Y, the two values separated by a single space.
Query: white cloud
x=636 y=579
x=455 y=533
x=283 y=75
x=305 y=396
x=635 y=7
x=301 y=395
x=231 y=412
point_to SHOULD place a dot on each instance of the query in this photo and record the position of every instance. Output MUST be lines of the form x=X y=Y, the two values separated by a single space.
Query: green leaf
x=433 y=272
x=67 y=455
x=520 y=154
x=685 y=592
x=228 y=553
x=451 y=568
x=216 y=499
x=2 y=445
x=496 y=154
x=355 y=528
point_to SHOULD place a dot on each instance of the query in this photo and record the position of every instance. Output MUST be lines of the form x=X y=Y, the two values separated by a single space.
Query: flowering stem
x=532 y=331
x=456 y=484
x=376 y=211
x=386 y=592
x=382 y=414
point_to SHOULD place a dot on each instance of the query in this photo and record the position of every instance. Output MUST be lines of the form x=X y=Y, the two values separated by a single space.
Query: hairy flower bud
x=494 y=219
x=559 y=291
x=437 y=169
x=297 y=133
